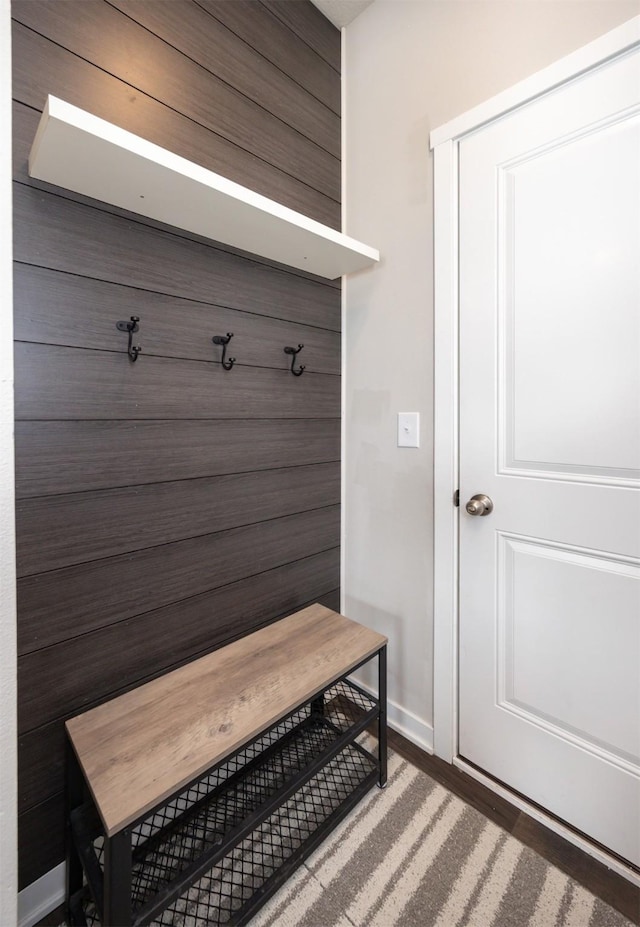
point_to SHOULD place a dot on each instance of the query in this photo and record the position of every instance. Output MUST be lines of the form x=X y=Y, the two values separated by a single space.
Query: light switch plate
x=408 y=429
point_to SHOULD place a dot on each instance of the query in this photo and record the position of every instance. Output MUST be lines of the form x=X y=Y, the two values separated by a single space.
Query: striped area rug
x=414 y=855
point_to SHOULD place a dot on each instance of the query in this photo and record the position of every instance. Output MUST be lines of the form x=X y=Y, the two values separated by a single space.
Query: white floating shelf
x=88 y=155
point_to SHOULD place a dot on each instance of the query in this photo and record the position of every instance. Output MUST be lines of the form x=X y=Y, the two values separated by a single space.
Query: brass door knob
x=479 y=505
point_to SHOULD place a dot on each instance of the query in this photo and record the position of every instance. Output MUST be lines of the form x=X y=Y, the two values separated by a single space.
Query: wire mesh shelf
x=208 y=851
x=220 y=896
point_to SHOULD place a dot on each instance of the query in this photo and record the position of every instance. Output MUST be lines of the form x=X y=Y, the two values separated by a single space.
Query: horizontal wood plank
x=308 y=22
x=261 y=30
x=203 y=39
x=330 y=600
x=61 y=604
x=70 y=383
x=140 y=748
x=57 y=681
x=40 y=764
x=41 y=840
x=68 y=310
x=77 y=81
x=52 y=232
x=64 y=457
x=99 y=33
x=57 y=531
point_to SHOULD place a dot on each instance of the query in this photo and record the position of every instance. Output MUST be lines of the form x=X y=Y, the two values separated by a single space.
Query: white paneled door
x=550 y=431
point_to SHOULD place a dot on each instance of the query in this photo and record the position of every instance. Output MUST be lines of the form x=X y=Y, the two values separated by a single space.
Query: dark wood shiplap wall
x=166 y=506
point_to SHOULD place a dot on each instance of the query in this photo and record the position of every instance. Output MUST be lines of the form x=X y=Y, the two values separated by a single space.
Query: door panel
x=558 y=288
x=550 y=430
x=549 y=597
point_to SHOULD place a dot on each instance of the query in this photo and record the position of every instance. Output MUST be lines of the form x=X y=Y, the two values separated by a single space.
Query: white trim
x=415 y=729
x=8 y=727
x=610 y=45
x=445 y=515
x=41 y=897
x=445 y=141
x=405 y=722
x=570 y=835
x=343 y=325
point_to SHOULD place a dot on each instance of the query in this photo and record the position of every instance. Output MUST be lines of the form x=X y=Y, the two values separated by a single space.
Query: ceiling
x=341 y=12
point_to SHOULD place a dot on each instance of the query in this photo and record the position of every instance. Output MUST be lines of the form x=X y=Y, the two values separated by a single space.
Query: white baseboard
x=41 y=897
x=405 y=722
x=410 y=726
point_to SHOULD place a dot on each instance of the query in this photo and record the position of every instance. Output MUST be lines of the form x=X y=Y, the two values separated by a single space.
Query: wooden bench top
x=138 y=749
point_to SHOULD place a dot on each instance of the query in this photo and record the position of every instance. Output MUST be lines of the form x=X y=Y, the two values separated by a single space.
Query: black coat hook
x=131 y=327
x=293 y=352
x=224 y=341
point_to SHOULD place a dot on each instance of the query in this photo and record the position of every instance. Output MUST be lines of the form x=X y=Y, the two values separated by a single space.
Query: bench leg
x=74 y=796
x=117 y=880
x=317 y=707
x=382 y=717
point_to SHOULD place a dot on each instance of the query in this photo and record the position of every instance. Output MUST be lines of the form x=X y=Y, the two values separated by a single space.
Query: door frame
x=444 y=142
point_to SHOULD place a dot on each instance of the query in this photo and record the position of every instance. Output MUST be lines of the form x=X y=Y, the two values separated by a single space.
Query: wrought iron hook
x=293 y=352
x=131 y=327
x=224 y=341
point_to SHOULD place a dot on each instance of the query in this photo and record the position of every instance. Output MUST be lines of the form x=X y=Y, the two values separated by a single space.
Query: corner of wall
x=8 y=734
x=343 y=320
x=386 y=528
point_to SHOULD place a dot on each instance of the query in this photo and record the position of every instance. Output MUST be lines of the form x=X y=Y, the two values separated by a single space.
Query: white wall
x=410 y=66
x=8 y=745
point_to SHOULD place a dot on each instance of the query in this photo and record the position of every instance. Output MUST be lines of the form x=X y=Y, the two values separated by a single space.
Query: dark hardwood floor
x=593 y=875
